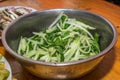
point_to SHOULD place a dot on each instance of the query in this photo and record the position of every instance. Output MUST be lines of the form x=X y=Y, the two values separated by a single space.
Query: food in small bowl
x=59 y=43
x=5 y=70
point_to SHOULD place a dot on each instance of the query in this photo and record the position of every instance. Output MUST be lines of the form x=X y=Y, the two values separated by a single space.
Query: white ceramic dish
x=14 y=7
x=7 y=66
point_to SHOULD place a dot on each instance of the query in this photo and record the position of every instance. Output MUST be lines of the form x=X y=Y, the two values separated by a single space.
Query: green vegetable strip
x=56 y=20
x=66 y=39
x=79 y=26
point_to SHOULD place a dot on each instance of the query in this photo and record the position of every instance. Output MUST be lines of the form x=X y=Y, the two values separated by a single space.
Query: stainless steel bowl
x=36 y=21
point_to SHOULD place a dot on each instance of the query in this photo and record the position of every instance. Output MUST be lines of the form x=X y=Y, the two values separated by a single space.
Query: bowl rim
x=13 y=53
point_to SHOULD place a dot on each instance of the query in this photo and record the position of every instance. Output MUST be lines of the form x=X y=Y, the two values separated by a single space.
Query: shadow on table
x=102 y=69
x=117 y=2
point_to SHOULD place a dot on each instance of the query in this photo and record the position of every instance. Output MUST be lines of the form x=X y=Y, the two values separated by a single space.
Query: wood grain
x=108 y=69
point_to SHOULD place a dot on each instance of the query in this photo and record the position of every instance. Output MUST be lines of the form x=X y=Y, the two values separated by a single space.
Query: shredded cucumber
x=66 y=39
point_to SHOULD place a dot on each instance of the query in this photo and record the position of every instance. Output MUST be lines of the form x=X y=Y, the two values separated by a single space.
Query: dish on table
x=10 y=13
x=24 y=26
x=5 y=69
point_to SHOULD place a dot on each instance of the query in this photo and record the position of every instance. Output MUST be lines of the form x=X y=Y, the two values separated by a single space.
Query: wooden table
x=108 y=69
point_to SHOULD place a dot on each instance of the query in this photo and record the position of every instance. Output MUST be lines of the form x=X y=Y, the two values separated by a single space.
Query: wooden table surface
x=108 y=69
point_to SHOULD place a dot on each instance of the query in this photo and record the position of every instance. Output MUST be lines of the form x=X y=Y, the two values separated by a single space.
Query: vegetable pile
x=66 y=39
x=4 y=73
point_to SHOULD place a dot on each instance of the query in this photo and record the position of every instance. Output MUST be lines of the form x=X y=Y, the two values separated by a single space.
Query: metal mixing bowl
x=39 y=20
